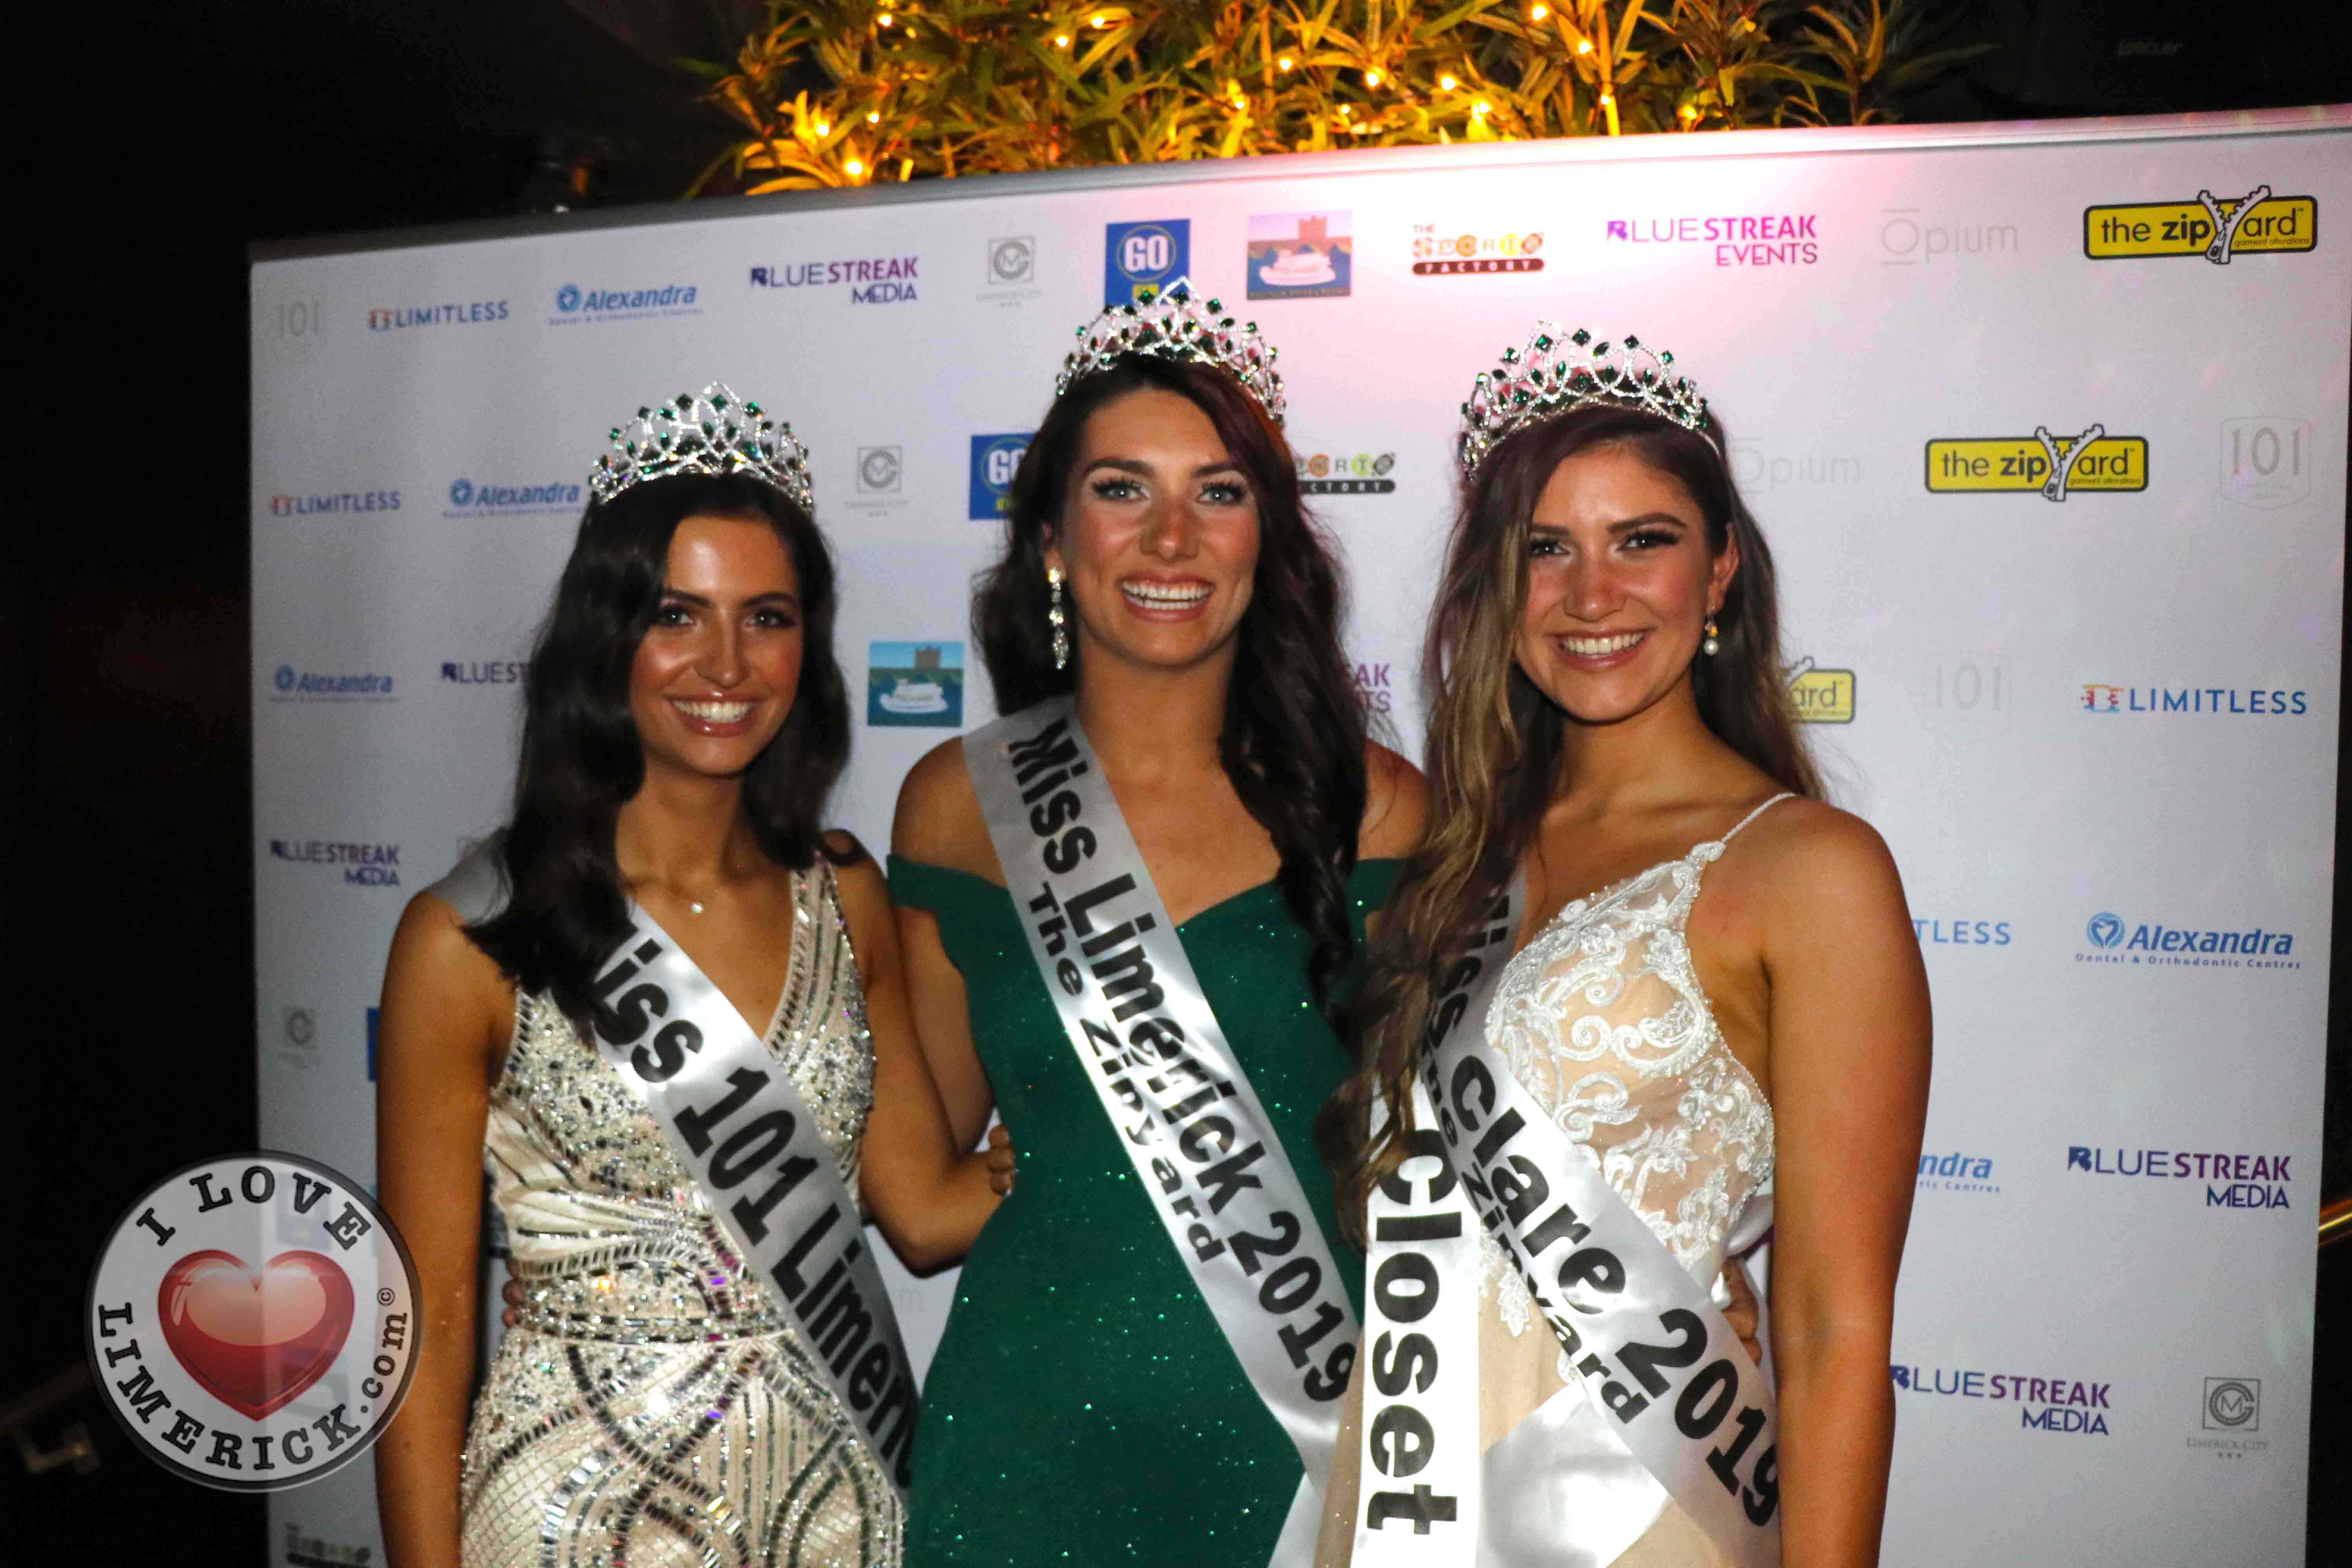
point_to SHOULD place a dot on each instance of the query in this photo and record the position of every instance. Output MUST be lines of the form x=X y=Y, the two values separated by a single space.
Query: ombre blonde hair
x=1497 y=746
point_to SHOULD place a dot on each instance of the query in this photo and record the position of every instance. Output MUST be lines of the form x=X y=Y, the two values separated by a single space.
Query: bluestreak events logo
x=1734 y=239
x=1376 y=686
x=402 y=318
x=2050 y=1403
x=915 y=685
x=288 y=684
x=2231 y=1180
x=1139 y=255
x=2114 y=941
x=361 y=865
x=868 y=279
x=575 y=306
x=1958 y=1172
x=484 y=672
x=477 y=498
x=2214 y=701
x=340 y=504
x=994 y=459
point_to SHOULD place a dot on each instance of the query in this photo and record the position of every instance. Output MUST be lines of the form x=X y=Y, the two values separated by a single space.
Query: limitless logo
x=2100 y=698
x=2260 y=223
x=284 y=505
x=399 y=318
x=2052 y=464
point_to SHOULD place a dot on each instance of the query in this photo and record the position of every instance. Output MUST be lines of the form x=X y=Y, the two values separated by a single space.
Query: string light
x=884 y=20
x=1283 y=64
x=823 y=128
x=1482 y=109
x=1538 y=11
x=1061 y=40
x=873 y=117
x=1102 y=21
x=1607 y=99
x=1584 y=45
x=854 y=168
x=1447 y=84
x=1372 y=79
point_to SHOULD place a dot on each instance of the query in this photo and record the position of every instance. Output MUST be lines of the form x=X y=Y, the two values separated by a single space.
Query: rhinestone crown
x=1175 y=326
x=1557 y=371
x=711 y=432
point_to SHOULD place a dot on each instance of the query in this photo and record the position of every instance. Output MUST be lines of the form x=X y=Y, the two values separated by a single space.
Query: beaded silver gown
x=650 y=1408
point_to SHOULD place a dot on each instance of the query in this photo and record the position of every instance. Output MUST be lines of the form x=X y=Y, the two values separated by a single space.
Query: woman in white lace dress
x=1716 y=992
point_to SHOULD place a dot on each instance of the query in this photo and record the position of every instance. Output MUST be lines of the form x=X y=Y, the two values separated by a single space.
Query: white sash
x=743 y=1132
x=1672 y=1406
x=1204 y=1151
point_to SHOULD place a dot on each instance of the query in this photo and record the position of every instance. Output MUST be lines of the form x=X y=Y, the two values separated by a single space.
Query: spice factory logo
x=914 y=685
x=1154 y=256
x=475 y=498
x=401 y=318
x=1819 y=696
x=1438 y=255
x=320 y=503
x=2231 y=1180
x=288 y=684
x=362 y=865
x=2080 y=1406
x=2261 y=461
x=1345 y=474
x=251 y=1321
x=2217 y=228
x=2114 y=940
x=1299 y=256
x=1736 y=239
x=994 y=459
x=869 y=279
x=2218 y=701
x=575 y=306
x=2052 y=464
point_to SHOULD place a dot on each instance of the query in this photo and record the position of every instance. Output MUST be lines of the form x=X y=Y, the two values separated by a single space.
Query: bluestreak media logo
x=1734 y=239
x=361 y=865
x=994 y=458
x=288 y=684
x=1941 y=931
x=320 y=503
x=2047 y=1403
x=1958 y=1172
x=401 y=318
x=1141 y=255
x=915 y=685
x=575 y=306
x=484 y=672
x=2114 y=941
x=2231 y=1180
x=2213 y=701
x=477 y=498
x=868 y=279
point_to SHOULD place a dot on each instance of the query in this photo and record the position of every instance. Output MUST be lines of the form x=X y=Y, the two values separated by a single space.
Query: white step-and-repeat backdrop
x=2046 y=424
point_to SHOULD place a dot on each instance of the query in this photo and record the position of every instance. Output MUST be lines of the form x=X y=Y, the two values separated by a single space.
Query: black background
x=151 y=147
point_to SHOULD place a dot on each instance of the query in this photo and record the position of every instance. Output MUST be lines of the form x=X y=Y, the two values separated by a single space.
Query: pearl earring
x=1055 y=617
x=1713 y=645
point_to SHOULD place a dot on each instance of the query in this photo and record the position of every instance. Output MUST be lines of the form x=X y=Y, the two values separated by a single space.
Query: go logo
x=1141 y=255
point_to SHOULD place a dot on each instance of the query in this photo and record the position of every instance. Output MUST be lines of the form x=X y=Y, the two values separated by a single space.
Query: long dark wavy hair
x=1497 y=743
x=566 y=909
x=1293 y=735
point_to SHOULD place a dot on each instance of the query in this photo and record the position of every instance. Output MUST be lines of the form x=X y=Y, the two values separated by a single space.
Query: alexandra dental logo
x=2053 y=464
x=2215 y=227
x=471 y=497
x=1734 y=239
x=575 y=305
x=2118 y=941
x=2232 y=1180
x=289 y=684
x=2050 y=1402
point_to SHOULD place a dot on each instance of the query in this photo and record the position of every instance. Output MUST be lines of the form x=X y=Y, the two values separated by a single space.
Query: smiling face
x=1157 y=535
x=715 y=677
x=1621 y=581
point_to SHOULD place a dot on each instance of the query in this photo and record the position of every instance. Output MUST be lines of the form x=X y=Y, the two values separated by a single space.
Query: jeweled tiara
x=711 y=432
x=1175 y=326
x=1560 y=370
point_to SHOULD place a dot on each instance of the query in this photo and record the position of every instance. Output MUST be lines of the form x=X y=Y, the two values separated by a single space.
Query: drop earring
x=1055 y=618
x=1713 y=645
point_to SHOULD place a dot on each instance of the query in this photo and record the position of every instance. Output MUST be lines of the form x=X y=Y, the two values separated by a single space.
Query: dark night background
x=164 y=144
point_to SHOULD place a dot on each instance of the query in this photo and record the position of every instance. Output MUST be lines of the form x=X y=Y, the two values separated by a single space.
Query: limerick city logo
x=2233 y=1405
x=877 y=469
x=915 y=685
x=1154 y=255
x=1438 y=254
x=2217 y=228
x=994 y=460
x=1819 y=696
x=1011 y=260
x=2052 y=464
x=252 y=1322
x=1299 y=256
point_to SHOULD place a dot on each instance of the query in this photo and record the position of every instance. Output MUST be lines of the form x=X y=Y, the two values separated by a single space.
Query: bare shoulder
x=938 y=820
x=854 y=871
x=1809 y=865
x=437 y=976
x=1396 y=806
x=430 y=938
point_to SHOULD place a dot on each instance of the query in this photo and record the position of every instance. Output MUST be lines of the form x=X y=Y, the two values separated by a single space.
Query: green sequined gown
x=1084 y=1407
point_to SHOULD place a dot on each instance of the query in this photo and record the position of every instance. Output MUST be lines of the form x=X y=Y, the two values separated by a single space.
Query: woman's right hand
x=999 y=1158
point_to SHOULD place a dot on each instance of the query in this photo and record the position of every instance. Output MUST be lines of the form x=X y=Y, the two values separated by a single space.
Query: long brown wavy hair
x=1497 y=743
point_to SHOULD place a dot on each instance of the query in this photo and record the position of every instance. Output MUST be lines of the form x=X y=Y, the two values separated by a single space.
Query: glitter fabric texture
x=650 y=1408
x=1084 y=1407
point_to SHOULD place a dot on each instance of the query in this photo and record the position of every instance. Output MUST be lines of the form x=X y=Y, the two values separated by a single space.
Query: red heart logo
x=255 y=1340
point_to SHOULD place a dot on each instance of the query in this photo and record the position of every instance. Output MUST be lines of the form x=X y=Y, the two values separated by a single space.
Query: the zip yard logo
x=1819 y=696
x=2053 y=464
x=2217 y=228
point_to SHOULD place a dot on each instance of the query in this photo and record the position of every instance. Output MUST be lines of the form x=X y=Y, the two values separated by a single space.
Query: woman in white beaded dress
x=1638 y=992
x=704 y=1370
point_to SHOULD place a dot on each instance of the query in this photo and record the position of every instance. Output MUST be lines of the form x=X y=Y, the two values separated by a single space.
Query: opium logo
x=1346 y=473
x=2217 y=228
x=1909 y=236
x=2054 y=465
x=1438 y=253
x=994 y=459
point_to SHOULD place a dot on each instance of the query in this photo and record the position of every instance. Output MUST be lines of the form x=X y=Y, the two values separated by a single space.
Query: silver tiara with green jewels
x=1559 y=371
x=710 y=432
x=1173 y=325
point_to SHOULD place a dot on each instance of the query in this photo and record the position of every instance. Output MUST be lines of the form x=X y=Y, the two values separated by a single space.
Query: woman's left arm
x=1848 y=1043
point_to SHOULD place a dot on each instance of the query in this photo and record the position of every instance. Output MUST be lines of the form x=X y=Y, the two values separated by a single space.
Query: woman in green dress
x=1087 y=1404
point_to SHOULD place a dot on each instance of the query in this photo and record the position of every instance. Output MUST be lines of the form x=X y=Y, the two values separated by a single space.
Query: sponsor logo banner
x=316 y=503
x=1820 y=696
x=2100 y=698
x=1299 y=256
x=1376 y=684
x=1011 y=270
x=2053 y=465
x=2114 y=941
x=1736 y=239
x=1150 y=254
x=915 y=685
x=1345 y=474
x=1441 y=255
x=402 y=318
x=2258 y=224
x=2231 y=1180
x=477 y=498
x=1941 y=931
x=2229 y=1416
x=1958 y=1172
x=288 y=684
x=575 y=306
x=484 y=672
x=361 y=865
x=2261 y=461
x=866 y=280
x=994 y=459
x=1910 y=236
x=2048 y=1402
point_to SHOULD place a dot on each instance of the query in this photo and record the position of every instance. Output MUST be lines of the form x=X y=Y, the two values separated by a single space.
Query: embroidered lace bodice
x=1604 y=1022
